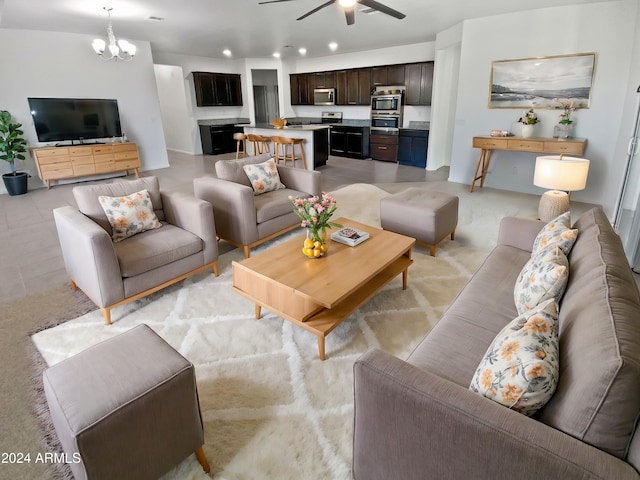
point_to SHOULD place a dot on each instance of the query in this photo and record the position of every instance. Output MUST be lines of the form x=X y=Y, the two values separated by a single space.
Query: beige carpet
x=271 y=408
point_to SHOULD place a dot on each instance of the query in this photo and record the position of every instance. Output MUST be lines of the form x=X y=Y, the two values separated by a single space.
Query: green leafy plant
x=12 y=143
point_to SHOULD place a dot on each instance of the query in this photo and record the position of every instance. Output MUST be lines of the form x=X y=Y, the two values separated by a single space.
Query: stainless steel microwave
x=386 y=104
x=324 y=96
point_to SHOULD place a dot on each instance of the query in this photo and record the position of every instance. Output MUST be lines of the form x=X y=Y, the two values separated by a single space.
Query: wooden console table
x=81 y=160
x=570 y=146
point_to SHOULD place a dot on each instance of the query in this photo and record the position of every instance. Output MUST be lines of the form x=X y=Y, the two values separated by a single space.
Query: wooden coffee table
x=318 y=294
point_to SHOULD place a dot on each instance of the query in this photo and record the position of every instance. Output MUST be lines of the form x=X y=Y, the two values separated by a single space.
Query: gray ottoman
x=126 y=408
x=425 y=215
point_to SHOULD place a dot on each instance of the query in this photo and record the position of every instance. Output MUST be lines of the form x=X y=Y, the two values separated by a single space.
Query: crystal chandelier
x=117 y=49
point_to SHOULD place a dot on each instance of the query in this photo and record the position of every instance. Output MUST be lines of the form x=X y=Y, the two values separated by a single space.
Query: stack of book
x=349 y=236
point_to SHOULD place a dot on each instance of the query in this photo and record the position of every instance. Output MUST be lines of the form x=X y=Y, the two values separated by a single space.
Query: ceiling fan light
x=99 y=45
x=347 y=3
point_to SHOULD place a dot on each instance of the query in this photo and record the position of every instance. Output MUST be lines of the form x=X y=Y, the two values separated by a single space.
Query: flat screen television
x=64 y=119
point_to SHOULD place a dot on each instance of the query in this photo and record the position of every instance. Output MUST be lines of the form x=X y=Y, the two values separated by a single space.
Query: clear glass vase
x=315 y=244
x=564 y=130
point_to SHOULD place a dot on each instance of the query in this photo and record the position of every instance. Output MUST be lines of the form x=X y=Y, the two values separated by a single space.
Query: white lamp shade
x=99 y=45
x=561 y=173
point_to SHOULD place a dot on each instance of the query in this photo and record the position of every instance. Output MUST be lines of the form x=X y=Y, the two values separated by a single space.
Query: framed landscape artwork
x=535 y=82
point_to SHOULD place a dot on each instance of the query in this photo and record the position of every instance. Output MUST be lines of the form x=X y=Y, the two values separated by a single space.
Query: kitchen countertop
x=222 y=121
x=268 y=126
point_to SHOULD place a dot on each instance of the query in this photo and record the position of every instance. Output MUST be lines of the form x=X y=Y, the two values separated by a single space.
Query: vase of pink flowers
x=315 y=215
x=564 y=124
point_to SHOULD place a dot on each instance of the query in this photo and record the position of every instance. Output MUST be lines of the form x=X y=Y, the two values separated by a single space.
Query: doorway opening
x=265 y=95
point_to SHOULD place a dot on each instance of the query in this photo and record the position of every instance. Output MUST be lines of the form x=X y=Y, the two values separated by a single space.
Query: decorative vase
x=527 y=130
x=564 y=129
x=315 y=245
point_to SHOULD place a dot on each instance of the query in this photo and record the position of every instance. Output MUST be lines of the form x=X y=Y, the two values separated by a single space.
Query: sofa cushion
x=155 y=248
x=544 y=276
x=86 y=196
x=598 y=394
x=129 y=215
x=274 y=204
x=233 y=171
x=557 y=232
x=520 y=368
x=263 y=177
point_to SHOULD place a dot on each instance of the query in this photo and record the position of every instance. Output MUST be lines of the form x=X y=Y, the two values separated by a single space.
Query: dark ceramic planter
x=16 y=184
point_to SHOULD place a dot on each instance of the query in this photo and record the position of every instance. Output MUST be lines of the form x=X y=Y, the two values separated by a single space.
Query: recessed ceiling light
x=333 y=46
x=347 y=3
x=302 y=51
x=226 y=52
x=276 y=54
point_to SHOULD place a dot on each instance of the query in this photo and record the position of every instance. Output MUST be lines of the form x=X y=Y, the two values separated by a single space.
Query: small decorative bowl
x=278 y=123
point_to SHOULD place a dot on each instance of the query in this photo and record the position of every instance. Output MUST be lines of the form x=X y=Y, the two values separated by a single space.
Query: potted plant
x=12 y=147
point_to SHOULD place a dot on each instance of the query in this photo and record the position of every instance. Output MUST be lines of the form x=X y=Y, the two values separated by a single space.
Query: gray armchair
x=112 y=274
x=247 y=220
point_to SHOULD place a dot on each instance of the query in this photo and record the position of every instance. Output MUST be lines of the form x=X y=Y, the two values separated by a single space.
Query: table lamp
x=563 y=175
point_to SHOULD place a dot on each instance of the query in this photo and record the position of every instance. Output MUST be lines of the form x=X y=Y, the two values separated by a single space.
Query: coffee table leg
x=405 y=275
x=321 y=347
x=258 y=311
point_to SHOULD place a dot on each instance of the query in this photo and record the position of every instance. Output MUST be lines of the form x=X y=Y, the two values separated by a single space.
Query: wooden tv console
x=56 y=163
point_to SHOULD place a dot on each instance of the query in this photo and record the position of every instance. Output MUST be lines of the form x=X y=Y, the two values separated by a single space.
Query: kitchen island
x=316 y=139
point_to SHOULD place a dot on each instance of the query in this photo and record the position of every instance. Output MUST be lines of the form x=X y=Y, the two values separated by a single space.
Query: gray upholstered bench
x=425 y=215
x=126 y=408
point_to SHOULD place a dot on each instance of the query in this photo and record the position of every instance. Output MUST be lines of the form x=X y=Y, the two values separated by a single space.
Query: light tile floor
x=31 y=261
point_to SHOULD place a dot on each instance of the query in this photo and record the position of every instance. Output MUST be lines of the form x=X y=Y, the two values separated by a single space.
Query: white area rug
x=271 y=408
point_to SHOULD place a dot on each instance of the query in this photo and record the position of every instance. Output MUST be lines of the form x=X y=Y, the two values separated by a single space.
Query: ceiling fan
x=349 y=7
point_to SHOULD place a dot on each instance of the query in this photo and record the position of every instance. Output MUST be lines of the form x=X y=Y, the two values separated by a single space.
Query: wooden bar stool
x=241 y=140
x=279 y=149
x=290 y=154
x=259 y=144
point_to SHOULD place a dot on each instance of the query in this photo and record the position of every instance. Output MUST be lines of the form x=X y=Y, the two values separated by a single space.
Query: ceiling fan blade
x=274 y=1
x=330 y=2
x=350 y=16
x=382 y=8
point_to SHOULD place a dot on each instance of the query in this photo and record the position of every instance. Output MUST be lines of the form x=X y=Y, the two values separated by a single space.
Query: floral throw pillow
x=263 y=177
x=520 y=369
x=129 y=215
x=558 y=231
x=544 y=276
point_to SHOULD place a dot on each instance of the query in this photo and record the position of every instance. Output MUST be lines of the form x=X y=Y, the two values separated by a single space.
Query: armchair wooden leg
x=453 y=234
x=106 y=313
x=247 y=251
x=202 y=459
x=215 y=268
x=74 y=286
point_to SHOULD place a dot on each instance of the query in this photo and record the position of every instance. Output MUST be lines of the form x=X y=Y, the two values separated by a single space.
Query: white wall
x=53 y=64
x=173 y=105
x=604 y=28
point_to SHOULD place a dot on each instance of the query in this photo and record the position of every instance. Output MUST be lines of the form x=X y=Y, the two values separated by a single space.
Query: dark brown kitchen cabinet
x=217 y=89
x=395 y=75
x=384 y=147
x=302 y=86
x=341 y=87
x=326 y=80
x=358 y=87
x=419 y=81
x=380 y=76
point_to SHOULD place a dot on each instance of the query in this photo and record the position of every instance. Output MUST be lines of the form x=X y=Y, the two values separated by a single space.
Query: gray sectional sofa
x=417 y=419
